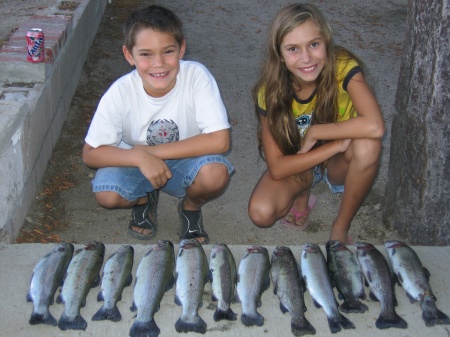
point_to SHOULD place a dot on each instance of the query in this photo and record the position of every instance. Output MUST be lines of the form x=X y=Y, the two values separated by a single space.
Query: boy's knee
x=109 y=200
x=213 y=177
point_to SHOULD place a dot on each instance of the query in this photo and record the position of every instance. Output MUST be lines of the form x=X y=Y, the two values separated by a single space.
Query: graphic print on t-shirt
x=162 y=131
x=303 y=123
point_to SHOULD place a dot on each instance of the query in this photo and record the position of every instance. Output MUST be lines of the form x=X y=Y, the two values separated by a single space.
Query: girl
x=318 y=120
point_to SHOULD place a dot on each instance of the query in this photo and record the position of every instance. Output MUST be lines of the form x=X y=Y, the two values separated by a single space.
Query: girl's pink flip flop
x=299 y=220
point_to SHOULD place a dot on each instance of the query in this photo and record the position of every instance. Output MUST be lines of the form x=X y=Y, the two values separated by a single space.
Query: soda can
x=35 y=45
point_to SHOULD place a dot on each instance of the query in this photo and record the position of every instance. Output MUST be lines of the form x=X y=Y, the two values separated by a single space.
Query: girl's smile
x=156 y=56
x=303 y=51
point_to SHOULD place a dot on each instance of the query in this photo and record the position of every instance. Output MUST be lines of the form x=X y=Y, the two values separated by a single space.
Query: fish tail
x=113 y=314
x=144 y=329
x=302 y=328
x=431 y=314
x=395 y=321
x=45 y=318
x=77 y=323
x=199 y=326
x=339 y=321
x=224 y=314
x=353 y=307
x=248 y=320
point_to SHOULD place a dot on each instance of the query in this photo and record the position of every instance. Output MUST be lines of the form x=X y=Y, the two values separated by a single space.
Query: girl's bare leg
x=356 y=169
x=272 y=199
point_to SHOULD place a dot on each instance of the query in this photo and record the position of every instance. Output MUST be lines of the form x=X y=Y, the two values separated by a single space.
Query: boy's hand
x=153 y=168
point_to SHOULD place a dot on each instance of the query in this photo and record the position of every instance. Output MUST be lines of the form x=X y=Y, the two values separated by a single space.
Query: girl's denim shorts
x=131 y=184
x=319 y=176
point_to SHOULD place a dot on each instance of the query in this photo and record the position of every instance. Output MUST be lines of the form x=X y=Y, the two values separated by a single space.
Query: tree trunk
x=417 y=202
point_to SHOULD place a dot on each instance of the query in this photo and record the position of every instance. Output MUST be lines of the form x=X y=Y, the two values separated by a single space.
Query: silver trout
x=290 y=288
x=346 y=275
x=378 y=274
x=223 y=281
x=82 y=275
x=154 y=276
x=116 y=276
x=253 y=280
x=315 y=273
x=191 y=276
x=414 y=278
x=48 y=275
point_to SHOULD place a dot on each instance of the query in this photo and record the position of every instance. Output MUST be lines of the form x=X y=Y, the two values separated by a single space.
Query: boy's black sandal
x=191 y=224
x=140 y=217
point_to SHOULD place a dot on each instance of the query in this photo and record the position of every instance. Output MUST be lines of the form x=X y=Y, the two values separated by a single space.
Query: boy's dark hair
x=154 y=17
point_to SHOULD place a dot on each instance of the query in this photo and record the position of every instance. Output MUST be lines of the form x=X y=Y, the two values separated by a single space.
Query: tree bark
x=417 y=202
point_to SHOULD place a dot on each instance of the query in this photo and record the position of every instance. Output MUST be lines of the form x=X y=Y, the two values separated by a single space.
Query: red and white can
x=35 y=45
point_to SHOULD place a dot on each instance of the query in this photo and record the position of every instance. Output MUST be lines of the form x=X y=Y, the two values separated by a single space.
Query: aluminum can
x=35 y=45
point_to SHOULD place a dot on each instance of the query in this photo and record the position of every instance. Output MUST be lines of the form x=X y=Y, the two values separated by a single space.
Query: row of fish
x=155 y=275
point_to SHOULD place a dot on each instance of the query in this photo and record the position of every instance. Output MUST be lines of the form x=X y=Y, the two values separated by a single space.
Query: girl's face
x=304 y=52
x=156 y=56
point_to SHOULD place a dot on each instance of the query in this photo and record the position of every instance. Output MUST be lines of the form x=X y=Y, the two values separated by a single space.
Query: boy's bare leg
x=356 y=169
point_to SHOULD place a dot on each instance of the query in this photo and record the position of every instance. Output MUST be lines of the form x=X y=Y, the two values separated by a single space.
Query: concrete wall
x=35 y=101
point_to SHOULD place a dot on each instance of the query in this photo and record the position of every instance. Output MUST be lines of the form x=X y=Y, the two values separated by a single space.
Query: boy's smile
x=156 y=56
x=303 y=51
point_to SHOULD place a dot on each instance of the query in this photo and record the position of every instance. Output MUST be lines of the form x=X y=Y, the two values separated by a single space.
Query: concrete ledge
x=35 y=100
x=17 y=263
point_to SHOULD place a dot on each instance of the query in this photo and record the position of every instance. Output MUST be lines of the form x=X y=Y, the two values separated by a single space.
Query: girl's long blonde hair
x=275 y=80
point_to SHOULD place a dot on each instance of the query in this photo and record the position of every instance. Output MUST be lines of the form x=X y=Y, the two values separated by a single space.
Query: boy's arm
x=206 y=143
x=153 y=168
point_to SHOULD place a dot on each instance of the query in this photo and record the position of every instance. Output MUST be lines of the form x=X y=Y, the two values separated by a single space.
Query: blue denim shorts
x=318 y=177
x=131 y=184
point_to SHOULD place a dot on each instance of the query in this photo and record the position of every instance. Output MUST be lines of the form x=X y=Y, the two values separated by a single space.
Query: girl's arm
x=199 y=145
x=367 y=124
x=281 y=166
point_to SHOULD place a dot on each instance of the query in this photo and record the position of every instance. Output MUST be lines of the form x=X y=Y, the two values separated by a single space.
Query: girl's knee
x=260 y=216
x=367 y=151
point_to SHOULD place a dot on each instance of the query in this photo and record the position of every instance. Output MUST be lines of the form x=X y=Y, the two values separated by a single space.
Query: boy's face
x=156 y=56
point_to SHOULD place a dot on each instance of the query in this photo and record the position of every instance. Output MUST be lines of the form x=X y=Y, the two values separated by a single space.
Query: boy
x=163 y=127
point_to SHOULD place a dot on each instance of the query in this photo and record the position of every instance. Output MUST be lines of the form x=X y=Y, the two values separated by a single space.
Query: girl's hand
x=308 y=141
x=344 y=143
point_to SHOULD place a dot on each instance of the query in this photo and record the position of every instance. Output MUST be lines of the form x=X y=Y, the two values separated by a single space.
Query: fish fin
x=213 y=298
x=144 y=329
x=248 y=320
x=431 y=314
x=338 y=322
x=100 y=297
x=411 y=299
x=266 y=283
x=302 y=328
x=47 y=318
x=389 y=322
x=228 y=315
x=129 y=280
x=340 y=296
x=316 y=304
x=78 y=323
x=112 y=314
x=427 y=273
x=29 y=298
x=133 y=307
x=373 y=297
x=275 y=288
x=283 y=308
x=199 y=326
x=353 y=307
x=59 y=299
x=177 y=301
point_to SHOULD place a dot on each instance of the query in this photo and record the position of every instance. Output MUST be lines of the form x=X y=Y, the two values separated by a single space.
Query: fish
x=191 y=275
x=222 y=266
x=414 y=278
x=253 y=280
x=82 y=275
x=116 y=276
x=315 y=274
x=289 y=286
x=378 y=275
x=48 y=275
x=154 y=276
x=346 y=275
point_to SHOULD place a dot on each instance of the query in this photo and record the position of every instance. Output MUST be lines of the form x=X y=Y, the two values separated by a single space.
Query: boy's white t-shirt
x=128 y=116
